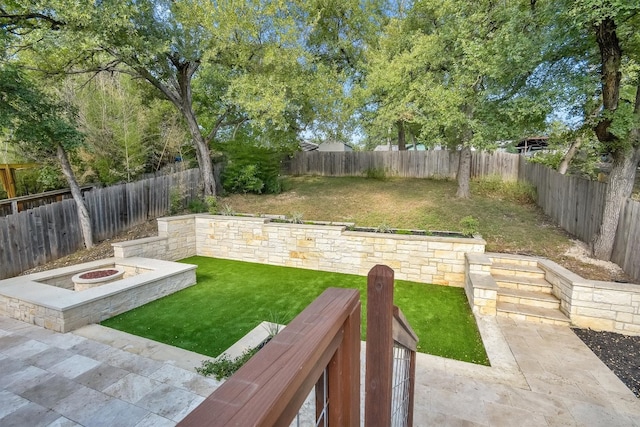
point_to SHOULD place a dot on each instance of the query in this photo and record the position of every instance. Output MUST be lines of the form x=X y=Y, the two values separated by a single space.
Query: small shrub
x=247 y=180
x=384 y=228
x=251 y=168
x=375 y=173
x=276 y=319
x=224 y=366
x=274 y=186
x=212 y=204
x=296 y=218
x=175 y=201
x=197 y=206
x=227 y=210
x=469 y=225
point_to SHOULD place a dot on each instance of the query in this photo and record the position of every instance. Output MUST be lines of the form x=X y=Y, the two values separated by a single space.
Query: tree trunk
x=185 y=73
x=401 y=136
x=83 y=212
x=625 y=159
x=179 y=93
x=203 y=153
x=611 y=59
x=621 y=180
x=464 y=173
x=566 y=160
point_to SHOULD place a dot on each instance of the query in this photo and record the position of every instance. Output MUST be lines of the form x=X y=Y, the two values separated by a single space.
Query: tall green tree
x=114 y=120
x=43 y=128
x=40 y=124
x=611 y=26
x=276 y=63
x=459 y=73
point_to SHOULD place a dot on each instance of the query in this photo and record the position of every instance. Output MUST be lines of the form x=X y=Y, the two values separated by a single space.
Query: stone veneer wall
x=176 y=240
x=480 y=287
x=426 y=259
x=29 y=299
x=117 y=303
x=594 y=304
x=607 y=306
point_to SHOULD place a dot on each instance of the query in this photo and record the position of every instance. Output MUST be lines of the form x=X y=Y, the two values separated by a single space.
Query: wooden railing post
x=379 y=366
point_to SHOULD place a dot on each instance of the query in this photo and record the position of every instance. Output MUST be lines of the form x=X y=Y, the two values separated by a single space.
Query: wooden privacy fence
x=626 y=252
x=319 y=349
x=407 y=164
x=22 y=203
x=48 y=232
x=576 y=204
x=118 y=208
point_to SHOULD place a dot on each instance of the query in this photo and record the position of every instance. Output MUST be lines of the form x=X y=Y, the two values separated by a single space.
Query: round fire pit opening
x=93 y=278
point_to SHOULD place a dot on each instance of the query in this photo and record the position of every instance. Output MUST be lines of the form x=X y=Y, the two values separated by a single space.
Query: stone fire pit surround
x=92 y=278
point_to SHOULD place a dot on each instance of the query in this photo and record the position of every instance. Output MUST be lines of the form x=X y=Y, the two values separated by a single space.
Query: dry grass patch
x=509 y=220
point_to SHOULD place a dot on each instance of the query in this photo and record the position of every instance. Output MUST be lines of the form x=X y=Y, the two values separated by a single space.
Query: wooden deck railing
x=391 y=356
x=320 y=347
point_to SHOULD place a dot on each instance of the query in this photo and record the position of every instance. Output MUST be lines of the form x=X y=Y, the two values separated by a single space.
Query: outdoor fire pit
x=93 y=278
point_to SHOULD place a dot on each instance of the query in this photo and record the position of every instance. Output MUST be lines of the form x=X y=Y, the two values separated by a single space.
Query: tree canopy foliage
x=464 y=75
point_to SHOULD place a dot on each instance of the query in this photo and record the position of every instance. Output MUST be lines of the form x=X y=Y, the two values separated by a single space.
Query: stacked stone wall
x=426 y=259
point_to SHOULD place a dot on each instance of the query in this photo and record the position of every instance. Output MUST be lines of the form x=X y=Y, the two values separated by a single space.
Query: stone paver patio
x=541 y=375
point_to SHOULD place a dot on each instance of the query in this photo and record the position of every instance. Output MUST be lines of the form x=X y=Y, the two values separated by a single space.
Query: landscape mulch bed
x=621 y=353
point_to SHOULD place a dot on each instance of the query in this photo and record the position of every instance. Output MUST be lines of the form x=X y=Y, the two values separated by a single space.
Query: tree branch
x=12 y=22
x=216 y=128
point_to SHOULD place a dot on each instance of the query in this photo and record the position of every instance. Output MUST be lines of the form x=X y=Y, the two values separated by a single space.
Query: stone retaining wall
x=425 y=259
x=608 y=306
x=176 y=240
x=480 y=287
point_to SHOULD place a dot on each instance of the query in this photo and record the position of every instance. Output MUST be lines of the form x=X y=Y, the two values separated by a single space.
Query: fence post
x=379 y=366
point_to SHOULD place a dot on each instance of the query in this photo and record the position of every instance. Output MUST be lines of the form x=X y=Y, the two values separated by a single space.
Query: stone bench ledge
x=28 y=289
x=483 y=281
x=136 y=242
x=477 y=258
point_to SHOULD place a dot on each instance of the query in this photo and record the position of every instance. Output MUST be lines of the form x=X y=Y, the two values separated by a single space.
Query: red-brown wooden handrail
x=271 y=387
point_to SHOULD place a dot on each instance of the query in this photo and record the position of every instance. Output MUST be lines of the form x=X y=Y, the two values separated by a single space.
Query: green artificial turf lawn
x=232 y=297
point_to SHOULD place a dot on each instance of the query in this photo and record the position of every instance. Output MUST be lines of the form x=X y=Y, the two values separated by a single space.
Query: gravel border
x=621 y=353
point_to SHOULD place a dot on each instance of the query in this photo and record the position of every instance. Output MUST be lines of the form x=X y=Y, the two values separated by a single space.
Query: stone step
x=518 y=271
x=528 y=284
x=512 y=259
x=532 y=314
x=533 y=299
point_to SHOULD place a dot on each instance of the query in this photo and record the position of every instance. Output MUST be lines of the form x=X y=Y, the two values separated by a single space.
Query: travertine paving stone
x=541 y=375
x=66 y=380
x=31 y=414
x=101 y=377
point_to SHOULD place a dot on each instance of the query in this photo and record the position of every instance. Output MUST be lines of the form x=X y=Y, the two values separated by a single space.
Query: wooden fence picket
x=44 y=233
